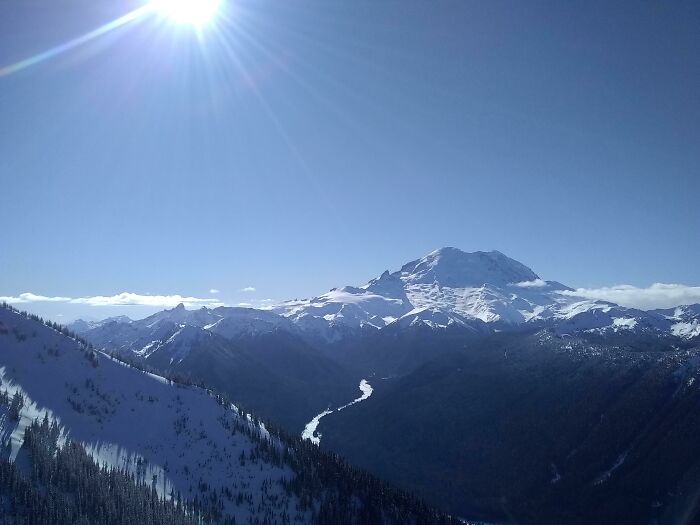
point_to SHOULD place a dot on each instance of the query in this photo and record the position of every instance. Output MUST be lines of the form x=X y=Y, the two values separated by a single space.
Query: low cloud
x=122 y=299
x=213 y=290
x=658 y=295
x=266 y=304
x=248 y=289
x=29 y=297
x=537 y=283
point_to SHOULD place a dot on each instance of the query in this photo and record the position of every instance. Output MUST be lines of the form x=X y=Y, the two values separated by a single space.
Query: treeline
x=327 y=486
x=64 y=486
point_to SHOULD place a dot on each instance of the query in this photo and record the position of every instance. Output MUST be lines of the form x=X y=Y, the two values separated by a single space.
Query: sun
x=190 y=12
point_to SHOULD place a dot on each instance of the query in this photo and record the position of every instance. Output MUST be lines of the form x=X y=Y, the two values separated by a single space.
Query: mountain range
x=489 y=391
x=482 y=292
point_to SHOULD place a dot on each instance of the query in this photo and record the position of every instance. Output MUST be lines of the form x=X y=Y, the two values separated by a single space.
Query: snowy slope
x=685 y=320
x=180 y=437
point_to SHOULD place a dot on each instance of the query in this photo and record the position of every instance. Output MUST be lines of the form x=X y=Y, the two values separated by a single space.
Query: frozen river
x=310 y=428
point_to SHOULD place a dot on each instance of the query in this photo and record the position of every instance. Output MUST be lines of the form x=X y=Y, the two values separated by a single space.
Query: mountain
x=184 y=441
x=533 y=428
x=184 y=436
x=496 y=394
x=80 y=326
x=123 y=335
x=685 y=320
x=302 y=356
x=481 y=291
x=255 y=356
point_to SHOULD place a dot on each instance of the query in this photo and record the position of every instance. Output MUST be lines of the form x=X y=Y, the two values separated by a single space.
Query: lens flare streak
x=78 y=41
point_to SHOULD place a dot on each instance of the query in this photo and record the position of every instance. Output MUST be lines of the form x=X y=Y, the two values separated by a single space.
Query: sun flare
x=191 y=12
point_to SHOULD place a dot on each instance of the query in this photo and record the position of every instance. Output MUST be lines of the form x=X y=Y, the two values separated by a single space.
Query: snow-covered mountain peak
x=455 y=268
x=447 y=286
x=80 y=326
x=483 y=290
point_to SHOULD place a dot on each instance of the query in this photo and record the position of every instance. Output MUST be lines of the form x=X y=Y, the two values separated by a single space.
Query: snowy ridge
x=175 y=435
x=175 y=330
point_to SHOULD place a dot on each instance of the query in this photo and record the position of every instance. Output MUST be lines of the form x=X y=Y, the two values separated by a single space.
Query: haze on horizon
x=285 y=149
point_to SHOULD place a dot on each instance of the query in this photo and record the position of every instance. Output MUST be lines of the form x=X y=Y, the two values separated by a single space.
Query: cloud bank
x=658 y=295
x=248 y=289
x=121 y=299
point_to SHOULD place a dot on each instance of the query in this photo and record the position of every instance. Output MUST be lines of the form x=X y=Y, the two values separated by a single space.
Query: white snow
x=686 y=330
x=131 y=419
x=626 y=323
x=310 y=430
x=366 y=390
x=449 y=287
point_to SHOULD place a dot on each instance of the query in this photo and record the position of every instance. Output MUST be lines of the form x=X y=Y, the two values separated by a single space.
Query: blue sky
x=295 y=146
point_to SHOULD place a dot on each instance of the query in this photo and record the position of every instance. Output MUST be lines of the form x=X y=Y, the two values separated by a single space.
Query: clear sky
x=295 y=146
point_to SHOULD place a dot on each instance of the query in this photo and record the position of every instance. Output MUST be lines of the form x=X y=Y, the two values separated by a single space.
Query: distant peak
x=180 y=306
x=451 y=251
x=444 y=250
x=455 y=268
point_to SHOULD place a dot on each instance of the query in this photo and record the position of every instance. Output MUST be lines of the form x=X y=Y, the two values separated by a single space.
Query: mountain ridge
x=446 y=288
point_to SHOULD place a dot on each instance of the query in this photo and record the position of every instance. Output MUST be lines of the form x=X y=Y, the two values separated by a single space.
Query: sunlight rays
x=78 y=41
x=232 y=28
x=196 y=13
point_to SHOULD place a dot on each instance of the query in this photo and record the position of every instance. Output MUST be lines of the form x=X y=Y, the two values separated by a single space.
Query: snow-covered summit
x=454 y=268
x=453 y=286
